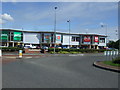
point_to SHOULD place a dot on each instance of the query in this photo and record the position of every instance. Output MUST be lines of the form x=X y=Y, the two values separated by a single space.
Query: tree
x=116 y=45
x=113 y=44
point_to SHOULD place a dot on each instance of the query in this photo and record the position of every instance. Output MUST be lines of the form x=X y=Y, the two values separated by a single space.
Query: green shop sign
x=17 y=36
x=4 y=35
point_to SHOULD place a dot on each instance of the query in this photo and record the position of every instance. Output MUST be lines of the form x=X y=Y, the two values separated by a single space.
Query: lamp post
x=105 y=25
x=118 y=37
x=69 y=32
x=116 y=33
x=55 y=30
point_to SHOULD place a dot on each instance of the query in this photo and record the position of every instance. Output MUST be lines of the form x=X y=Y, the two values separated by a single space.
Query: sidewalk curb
x=105 y=67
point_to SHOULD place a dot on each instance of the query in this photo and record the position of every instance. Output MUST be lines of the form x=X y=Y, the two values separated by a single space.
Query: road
x=58 y=72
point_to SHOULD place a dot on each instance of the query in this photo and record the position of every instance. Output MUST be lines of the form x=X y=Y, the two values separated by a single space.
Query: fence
x=110 y=55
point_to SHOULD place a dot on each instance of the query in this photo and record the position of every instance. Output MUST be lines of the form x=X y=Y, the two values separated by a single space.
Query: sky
x=85 y=17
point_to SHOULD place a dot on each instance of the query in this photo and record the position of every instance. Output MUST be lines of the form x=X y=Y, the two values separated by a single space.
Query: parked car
x=51 y=47
x=64 y=47
x=44 y=47
x=3 y=46
x=58 y=47
x=74 y=47
x=29 y=46
x=38 y=47
x=110 y=48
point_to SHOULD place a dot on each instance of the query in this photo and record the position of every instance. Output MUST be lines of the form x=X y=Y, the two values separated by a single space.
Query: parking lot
x=73 y=71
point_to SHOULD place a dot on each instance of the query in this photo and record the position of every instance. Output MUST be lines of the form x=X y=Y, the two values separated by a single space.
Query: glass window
x=102 y=40
x=73 y=38
x=42 y=37
x=77 y=39
x=52 y=38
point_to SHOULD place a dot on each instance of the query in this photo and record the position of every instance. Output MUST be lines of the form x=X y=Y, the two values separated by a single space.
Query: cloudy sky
x=85 y=17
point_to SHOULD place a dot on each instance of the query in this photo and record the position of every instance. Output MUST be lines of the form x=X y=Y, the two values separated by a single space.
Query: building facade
x=13 y=38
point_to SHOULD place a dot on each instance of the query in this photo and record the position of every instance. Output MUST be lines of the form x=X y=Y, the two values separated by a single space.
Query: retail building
x=13 y=38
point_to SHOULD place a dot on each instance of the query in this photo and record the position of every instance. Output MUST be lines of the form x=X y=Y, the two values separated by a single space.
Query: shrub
x=11 y=49
x=63 y=52
x=74 y=52
x=51 y=52
x=56 y=50
x=116 y=60
x=78 y=50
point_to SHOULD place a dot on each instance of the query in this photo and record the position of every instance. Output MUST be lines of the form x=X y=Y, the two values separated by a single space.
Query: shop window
x=42 y=37
x=51 y=37
x=102 y=40
x=77 y=39
x=73 y=38
x=11 y=36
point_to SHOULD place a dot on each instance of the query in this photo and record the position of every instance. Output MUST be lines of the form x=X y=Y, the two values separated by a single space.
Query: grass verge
x=111 y=63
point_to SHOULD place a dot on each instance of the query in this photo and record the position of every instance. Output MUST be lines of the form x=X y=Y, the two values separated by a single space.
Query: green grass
x=111 y=63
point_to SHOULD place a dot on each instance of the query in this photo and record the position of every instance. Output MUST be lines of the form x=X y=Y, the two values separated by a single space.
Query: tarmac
x=11 y=57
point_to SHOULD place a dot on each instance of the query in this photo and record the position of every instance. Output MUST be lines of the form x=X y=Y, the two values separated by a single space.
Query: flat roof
x=52 y=32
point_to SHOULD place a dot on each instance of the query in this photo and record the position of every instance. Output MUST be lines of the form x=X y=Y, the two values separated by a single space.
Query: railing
x=110 y=55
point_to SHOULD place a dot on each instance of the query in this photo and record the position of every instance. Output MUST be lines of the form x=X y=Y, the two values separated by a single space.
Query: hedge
x=78 y=50
x=10 y=48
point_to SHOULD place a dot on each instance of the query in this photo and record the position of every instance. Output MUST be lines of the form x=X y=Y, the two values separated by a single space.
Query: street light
x=105 y=25
x=116 y=34
x=55 y=30
x=69 y=32
x=118 y=37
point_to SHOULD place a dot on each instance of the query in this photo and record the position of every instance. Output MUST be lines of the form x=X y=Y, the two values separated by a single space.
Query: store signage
x=4 y=35
x=96 y=39
x=17 y=36
x=47 y=38
x=87 y=39
x=58 y=37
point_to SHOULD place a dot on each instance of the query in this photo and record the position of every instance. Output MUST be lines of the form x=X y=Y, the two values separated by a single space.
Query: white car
x=3 y=46
x=29 y=46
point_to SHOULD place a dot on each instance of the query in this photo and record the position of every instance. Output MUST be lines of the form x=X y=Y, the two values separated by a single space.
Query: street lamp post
x=118 y=37
x=116 y=34
x=69 y=32
x=106 y=27
x=55 y=30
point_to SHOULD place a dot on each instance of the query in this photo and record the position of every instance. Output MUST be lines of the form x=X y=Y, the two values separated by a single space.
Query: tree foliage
x=113 y=44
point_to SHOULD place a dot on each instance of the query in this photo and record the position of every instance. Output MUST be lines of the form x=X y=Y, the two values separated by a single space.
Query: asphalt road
x=58 y=72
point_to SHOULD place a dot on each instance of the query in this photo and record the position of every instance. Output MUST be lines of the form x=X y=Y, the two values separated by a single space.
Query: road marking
x=10 y=57
x=80 y=54
x=76 y=55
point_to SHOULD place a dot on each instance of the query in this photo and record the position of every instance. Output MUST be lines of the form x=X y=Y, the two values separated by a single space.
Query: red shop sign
x=86 y=38
x=58 y=37
x=96 y=39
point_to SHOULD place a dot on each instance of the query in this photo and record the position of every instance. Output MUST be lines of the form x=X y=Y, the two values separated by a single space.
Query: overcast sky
x=85 y=17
